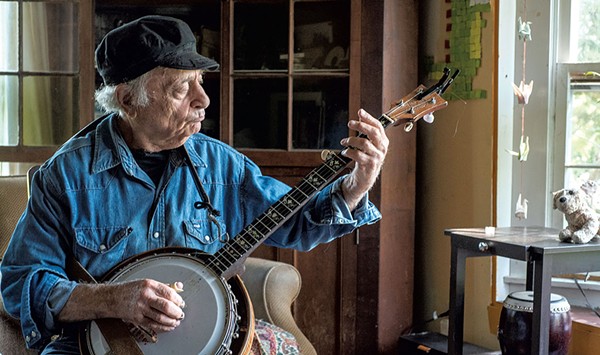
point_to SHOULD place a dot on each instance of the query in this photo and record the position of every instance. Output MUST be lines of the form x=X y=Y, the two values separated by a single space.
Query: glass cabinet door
x=297 y=103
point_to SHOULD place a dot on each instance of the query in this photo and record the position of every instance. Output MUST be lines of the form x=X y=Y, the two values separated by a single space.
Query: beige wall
x=455 y=187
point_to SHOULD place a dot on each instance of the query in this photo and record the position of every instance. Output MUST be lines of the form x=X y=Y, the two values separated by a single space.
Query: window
x=578 y=110
x=561 y=120
x=39 y=78
x=578 y=101
x=582 y=132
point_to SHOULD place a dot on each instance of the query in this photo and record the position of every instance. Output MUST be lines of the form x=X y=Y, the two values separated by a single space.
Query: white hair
x=106 y=95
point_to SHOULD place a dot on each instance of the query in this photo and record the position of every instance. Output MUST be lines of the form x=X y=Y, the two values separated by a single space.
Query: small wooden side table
x=545 y=256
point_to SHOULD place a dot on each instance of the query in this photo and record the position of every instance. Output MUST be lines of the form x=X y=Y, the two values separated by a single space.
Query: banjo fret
x=232 y=252
x=297 y=194
x=268 y=222
x=264 y=223
x=240 y=246
x=274 y=215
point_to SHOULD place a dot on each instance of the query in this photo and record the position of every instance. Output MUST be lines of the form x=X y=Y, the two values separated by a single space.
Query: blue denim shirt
x=91 y=199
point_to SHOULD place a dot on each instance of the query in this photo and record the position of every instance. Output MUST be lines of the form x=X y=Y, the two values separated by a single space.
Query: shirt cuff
x=56 y=301
x=339 y=213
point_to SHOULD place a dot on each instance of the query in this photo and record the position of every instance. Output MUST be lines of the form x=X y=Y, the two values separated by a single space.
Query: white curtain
x=37 y=102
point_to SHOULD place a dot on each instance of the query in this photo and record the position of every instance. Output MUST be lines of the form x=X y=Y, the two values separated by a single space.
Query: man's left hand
x=368 y=154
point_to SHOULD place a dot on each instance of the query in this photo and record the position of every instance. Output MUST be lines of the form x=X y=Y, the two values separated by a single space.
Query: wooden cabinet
x=292 y=74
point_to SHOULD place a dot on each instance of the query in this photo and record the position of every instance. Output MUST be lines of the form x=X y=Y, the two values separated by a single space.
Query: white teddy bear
x=583 y=222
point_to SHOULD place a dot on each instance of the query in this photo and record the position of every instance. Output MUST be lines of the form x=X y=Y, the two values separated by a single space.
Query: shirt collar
x=111 y=150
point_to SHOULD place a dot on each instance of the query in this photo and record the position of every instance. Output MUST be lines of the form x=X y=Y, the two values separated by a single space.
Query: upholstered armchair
x=273 y=286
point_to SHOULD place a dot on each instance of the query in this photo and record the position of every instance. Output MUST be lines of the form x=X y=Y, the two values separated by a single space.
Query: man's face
x=177 y=106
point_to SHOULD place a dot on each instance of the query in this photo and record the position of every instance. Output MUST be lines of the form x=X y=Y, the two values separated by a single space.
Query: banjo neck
x=230 y=258
x=232 y=255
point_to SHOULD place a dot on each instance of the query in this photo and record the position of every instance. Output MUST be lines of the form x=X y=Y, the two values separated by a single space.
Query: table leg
x=457 y=300
x=541 y=304
x=529 y=278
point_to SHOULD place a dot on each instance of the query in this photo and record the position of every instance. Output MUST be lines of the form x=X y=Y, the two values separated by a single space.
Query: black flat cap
x=139 y=46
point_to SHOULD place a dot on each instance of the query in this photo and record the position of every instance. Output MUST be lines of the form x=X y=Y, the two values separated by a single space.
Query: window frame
x=549 y=99
x=86 y=73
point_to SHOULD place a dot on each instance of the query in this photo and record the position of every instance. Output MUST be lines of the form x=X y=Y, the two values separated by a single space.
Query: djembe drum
x=514 y=329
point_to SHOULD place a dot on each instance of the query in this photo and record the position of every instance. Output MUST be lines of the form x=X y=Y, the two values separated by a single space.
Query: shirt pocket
x=203 y=234
x=101 y=248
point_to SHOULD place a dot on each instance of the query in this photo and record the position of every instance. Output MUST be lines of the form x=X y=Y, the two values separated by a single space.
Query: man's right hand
x=148 y=303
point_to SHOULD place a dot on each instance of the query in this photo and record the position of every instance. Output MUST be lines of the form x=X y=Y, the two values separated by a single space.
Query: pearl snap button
x=207 y=238
x=102 y=247
x=156 y=235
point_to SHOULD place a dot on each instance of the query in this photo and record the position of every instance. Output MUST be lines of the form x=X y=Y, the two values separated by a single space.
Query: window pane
x=321 y=35
x=320 y=113
x=256 y=45
x=50 y=35
x=585 y=30
x=574 y=177
x=9 y=110
x=50 y=109
x=583 y=131
x=260 y=113
x=9 y=35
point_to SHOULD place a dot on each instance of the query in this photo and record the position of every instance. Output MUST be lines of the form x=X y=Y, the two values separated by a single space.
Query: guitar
x=223 y=323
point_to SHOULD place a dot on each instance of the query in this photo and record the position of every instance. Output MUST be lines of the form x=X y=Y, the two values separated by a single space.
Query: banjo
x=219 y=318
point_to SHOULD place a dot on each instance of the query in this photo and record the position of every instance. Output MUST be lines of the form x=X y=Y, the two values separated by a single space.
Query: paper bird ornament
x=521 y=208
x=523 y=149
x=524 y=30
x=523 y=91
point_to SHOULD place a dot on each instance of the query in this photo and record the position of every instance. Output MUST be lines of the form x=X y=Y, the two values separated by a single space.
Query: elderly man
x=130 y=182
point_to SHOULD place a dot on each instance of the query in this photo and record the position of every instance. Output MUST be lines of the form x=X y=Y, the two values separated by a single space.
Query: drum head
x=208 y=304
x=523 y=301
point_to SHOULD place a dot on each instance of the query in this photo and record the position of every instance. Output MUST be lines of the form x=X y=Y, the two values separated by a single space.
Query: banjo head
x=210 y=307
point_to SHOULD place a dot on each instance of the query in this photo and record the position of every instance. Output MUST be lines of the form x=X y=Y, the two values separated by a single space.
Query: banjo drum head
x=210 y=314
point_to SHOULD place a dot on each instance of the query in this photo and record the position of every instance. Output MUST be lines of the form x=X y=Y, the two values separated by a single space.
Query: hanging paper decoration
x=522 y=92
x=521 y=208
x=523 y=149
x=524 y=30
